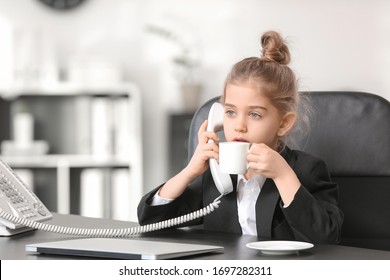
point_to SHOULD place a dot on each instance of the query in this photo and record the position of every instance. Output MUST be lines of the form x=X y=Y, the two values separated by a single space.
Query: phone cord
x=110 y=232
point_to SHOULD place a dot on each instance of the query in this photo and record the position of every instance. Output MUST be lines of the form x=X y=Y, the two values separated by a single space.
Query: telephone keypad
x=16 y=197
x=10 y=191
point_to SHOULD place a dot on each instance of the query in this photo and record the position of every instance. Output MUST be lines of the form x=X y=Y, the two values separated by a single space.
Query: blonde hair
x=271 y=75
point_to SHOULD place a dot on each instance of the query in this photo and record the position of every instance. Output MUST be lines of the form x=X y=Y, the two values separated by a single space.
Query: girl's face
x=250 y=116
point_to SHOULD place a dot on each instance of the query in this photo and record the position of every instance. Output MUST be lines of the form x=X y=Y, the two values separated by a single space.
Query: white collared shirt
x=247 y=193
x=158 y=200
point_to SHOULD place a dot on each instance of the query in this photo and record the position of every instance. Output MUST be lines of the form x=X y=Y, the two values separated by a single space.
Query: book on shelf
x=120 y=194
x=83 y=124
x=92 y=193
x=101 y=126
x=122 y=127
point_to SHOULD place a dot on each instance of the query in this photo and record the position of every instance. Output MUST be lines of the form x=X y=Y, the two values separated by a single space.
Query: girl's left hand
x=266 y=161
x=269 y=163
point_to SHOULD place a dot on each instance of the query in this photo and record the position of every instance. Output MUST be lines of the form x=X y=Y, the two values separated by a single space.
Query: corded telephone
x=21 y=210
x=18 y=199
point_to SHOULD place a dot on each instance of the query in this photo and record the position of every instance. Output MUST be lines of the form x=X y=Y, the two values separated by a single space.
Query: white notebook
x=122 y=248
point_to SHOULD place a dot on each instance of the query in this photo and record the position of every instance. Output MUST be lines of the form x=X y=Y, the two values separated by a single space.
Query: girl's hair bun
x=274 y=48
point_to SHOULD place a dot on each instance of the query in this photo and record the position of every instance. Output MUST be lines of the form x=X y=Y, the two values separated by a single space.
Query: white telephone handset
x=21 y=210
x=222 y=181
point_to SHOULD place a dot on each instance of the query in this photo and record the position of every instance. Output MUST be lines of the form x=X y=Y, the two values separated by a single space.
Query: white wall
x=336 y=45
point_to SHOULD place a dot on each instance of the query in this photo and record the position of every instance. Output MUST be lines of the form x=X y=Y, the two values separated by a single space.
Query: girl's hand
x=203 y=152
x=269 y=163
x=266 y=161
x=198 y=164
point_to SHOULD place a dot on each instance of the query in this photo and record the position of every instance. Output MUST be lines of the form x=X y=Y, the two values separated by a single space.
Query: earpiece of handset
x=222 y=181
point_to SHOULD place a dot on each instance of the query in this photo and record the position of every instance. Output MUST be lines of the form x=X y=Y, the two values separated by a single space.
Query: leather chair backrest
x=350 y=132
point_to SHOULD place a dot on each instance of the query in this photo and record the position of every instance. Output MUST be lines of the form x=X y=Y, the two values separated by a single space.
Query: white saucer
x=278 y=247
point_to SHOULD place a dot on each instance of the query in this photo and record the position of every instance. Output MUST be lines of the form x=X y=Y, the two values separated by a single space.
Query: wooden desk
x=13 y=248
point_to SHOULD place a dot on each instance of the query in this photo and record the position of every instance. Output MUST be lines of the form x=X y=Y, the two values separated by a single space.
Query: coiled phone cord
x=110 y=232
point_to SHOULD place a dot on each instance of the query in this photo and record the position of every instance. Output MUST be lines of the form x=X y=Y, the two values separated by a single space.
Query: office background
x=335 y=45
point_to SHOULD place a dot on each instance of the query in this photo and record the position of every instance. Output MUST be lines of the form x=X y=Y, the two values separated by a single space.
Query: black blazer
x=313 y=216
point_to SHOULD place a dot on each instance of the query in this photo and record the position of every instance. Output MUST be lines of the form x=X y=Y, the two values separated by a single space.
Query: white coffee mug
x=232 y=157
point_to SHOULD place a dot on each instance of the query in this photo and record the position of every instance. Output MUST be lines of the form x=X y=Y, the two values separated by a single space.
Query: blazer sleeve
x=314 y=215
x=189 y=201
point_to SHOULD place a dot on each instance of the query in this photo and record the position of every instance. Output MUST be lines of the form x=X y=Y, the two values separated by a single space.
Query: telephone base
x=4 y=231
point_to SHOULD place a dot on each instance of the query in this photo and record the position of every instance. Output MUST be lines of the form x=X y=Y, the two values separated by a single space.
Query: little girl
x=285 y=194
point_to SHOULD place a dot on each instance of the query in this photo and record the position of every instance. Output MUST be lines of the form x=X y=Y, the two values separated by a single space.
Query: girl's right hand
x=198 y=164
x=203 y=152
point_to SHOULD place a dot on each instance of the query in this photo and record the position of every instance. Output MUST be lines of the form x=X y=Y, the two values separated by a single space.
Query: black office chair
x=351 y=133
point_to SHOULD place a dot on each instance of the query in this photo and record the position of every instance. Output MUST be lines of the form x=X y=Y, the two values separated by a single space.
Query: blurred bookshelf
x=89 y=157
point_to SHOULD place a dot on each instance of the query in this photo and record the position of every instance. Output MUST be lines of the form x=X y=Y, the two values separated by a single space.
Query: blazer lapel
x=265 y=208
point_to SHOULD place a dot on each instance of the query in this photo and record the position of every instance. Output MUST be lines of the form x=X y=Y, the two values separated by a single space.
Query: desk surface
x=13 y=248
